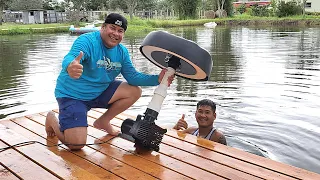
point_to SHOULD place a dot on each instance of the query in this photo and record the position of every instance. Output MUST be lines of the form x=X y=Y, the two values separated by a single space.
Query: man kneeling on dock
x=88 y=80
x=205 y=116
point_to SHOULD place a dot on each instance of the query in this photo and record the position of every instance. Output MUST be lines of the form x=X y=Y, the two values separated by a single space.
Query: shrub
x=259 y=10
x=241 y=9
x=290 y=8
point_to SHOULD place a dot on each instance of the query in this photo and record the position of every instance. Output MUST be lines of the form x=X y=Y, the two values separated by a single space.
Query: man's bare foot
x=50 y=120
x=107 y=127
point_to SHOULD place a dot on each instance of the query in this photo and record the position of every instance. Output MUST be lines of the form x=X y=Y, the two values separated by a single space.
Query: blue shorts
x=73 y=112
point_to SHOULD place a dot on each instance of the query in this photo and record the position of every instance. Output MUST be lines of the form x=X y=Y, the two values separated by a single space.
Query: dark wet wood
x=181 y=156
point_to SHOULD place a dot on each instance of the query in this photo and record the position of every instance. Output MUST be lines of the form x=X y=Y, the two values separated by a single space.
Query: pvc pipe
x=161 y=91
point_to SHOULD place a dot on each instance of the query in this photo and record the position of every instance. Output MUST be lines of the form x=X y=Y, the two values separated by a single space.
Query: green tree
x=187 y=9
x=96 y=5
x=304 y=7
x=3 y=6
x=117 y=4
x=131 y=5
x=47 y=4
x=25 y=4
x=147 y=4
x=53 y=5
x=241 y=9
x=164 y=4
x=290 y=8
x=75 y=9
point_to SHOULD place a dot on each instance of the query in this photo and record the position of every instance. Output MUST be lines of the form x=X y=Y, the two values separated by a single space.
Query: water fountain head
x=196 y=62
x=181 y=57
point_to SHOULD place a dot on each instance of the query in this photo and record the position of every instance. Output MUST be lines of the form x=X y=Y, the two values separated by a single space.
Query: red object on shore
x=251 y=3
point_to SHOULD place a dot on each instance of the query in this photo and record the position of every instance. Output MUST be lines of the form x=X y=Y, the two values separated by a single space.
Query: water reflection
x=266 y=82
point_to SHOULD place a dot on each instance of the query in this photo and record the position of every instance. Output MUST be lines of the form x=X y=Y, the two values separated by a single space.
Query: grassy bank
x=138 y=25
x=234 y=21
x=13 y=28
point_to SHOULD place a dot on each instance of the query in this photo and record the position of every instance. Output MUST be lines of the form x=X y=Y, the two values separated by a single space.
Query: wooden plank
x=22 y=167
x=6 y=173
x=216 y=157
x=265 y=163
x=208 y=157
x=44 y=158
x=192 y=159
x=182 y=157
x=153 y=170
x=62 y=151
x=157 y=158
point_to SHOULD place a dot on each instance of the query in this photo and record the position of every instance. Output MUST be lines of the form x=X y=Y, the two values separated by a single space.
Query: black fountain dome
x=159 y=46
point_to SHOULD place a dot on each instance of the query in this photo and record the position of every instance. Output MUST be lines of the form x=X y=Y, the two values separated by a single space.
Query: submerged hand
x=170 y=78
x=75 y=69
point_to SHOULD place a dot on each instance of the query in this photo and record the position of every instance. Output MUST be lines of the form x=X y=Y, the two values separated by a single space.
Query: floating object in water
x=86 y=29
x=210 y=24
x=181 y=57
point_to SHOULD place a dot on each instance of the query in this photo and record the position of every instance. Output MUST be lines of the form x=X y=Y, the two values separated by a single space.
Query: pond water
x=265 y=81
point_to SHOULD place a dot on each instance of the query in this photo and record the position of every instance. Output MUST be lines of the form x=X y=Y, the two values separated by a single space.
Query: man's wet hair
x=207 y=102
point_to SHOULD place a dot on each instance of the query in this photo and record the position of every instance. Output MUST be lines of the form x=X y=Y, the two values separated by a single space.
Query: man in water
x=88 y=80
x=205 y=116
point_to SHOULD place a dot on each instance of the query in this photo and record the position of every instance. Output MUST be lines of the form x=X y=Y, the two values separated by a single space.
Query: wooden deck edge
x=277 y=167
x=222 y=149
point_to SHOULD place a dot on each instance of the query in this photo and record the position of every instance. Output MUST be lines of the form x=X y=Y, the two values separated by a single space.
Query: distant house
x=12 y=16
x=313 y=6
x=248 y=3
x=52 y=16
x=33 y=16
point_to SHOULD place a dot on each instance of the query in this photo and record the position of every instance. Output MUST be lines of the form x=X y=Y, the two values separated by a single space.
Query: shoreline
x=154 y=24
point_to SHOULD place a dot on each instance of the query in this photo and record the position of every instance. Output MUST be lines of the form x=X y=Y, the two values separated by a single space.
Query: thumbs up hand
x=181 y=124
x=75 y=69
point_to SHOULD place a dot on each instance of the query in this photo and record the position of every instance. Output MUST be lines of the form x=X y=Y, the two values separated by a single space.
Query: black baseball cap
x=117 y=19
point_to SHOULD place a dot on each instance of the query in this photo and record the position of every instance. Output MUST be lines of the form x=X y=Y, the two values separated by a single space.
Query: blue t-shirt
x=101 y=65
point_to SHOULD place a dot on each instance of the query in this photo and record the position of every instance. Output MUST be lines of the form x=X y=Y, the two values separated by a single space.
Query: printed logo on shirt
x=108 y=65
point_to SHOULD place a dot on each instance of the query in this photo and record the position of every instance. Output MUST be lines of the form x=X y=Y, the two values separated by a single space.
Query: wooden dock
x=181 y=156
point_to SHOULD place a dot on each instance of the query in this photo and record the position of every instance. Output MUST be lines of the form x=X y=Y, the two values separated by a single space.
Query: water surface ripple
x=265 y=81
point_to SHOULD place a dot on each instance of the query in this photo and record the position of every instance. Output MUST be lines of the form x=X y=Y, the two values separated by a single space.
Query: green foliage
x=96 y=5
x=207 y=5
x=241 y=9
x=47 y=4
x=290 y=8
x=25 y=4
x=259 y=10
x=248 y=11
x=141 y=4
x=147 y=4
x=118 y=4
x=4 y=4
x=187 y=9
x=228 y=7
x=273 y=7
x=17 y=30
x=313 y=13
x=53 y=5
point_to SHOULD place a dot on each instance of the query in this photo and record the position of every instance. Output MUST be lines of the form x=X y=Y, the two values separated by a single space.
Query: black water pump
x=181 y=57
